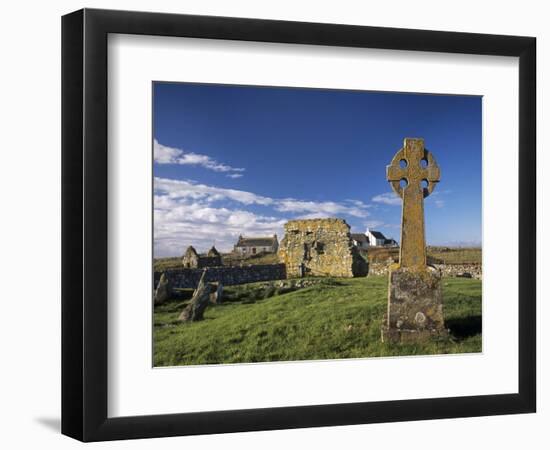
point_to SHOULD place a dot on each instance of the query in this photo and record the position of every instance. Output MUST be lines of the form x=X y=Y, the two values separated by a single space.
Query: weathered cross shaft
x=414 y=166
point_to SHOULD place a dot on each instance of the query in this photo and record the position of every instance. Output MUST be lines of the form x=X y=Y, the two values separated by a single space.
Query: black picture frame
x=84 y=224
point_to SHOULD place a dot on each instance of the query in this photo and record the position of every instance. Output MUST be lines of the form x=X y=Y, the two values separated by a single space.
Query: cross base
x=415 y=306
x=397 y=336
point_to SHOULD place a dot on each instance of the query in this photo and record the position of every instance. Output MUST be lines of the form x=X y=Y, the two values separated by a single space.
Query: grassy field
x=460 y=255
x=162 y=264
x=436 y=255
x=231 y=259
x=336 y=318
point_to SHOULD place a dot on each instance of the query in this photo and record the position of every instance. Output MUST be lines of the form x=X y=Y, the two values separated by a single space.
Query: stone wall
x=227 y=276
x=457 y=270
x=447 y=270
x=320 y=247
x=192 y=260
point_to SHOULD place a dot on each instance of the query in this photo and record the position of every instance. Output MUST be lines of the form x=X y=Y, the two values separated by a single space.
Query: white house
x=255 y=245
x=377 y=239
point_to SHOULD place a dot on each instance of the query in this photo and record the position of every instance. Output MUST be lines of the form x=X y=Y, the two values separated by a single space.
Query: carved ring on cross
x=416 y=166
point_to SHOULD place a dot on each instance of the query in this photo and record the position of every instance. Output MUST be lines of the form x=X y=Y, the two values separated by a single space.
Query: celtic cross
x=413 y=174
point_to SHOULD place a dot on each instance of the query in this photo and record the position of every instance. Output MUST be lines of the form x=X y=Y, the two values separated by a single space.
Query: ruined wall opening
x=320 y=247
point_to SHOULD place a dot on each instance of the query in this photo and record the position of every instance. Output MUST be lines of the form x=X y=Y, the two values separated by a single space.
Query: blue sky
x=233 y=160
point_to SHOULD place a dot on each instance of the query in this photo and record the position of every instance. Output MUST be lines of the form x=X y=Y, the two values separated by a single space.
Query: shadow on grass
x=464 y=327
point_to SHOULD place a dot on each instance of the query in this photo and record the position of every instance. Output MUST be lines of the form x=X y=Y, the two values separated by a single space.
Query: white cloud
x=187 y=212
x=388 y=198
x=323 y=209
x=170 y=155
x=178 y=225
x=358 y=203
x=374 y=224
x=165 y=155
x=180 y=189
x=234 y=175
x=435 y=196
x=316 y=215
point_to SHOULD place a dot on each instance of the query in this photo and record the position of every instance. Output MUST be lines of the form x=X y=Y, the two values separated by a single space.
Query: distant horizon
x=231 y=160
x=204 y=250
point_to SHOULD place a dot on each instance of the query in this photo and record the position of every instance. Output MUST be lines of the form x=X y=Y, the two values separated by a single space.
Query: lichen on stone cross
x=416 y=168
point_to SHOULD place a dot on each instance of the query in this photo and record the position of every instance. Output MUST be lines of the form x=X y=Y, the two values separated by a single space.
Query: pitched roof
x=359 y=237
x=377 y=234
x=213 y=252
x=190 y=251
x=256 y=241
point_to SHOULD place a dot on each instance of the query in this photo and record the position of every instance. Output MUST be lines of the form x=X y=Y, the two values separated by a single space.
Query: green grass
x=337 y=318
x=162 y=264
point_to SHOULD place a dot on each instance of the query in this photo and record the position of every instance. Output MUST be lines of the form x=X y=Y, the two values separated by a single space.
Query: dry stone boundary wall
x=227 y=276
x=447 y=270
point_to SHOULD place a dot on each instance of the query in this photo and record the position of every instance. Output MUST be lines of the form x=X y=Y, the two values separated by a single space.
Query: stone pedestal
x=415 y=306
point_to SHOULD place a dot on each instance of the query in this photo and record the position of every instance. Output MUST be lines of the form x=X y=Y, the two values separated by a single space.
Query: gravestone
x=194 y=311
x=163 y=290
x=216 y=295
x=415 y=307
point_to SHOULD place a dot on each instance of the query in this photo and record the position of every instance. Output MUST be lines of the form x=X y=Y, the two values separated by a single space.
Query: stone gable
x=192 y=260
x=320 y=247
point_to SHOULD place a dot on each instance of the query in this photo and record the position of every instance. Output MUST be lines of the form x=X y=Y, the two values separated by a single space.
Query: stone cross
x=413 y=174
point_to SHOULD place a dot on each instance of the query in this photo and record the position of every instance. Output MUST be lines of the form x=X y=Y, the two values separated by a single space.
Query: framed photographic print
x=273 y=224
